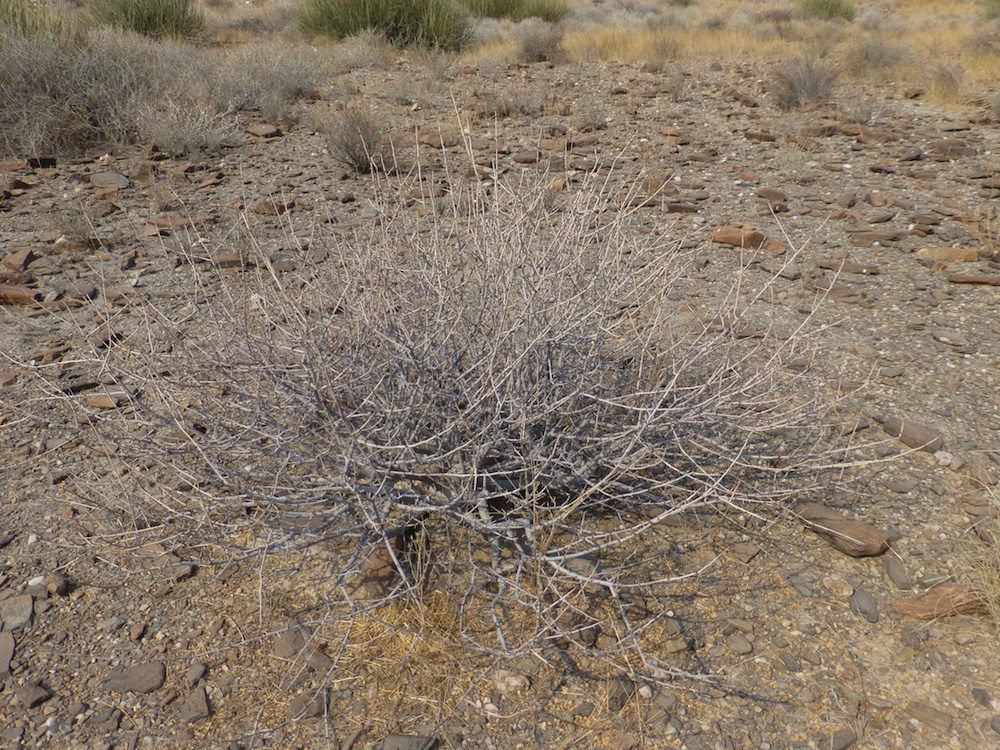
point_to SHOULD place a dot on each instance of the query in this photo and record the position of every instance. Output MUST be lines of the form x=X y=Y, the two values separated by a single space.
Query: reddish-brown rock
x=944 y=600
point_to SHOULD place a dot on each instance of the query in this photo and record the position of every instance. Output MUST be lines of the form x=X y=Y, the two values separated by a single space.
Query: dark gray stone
x=288 y=643
x=897 y=573
x=195 y=673
x=195 y=707
x=142 y=678
x=865 y=604
x=32 y=695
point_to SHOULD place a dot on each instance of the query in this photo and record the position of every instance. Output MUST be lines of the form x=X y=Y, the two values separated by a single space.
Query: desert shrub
x=185 y=129
x=518 y=10
x=268 y=77
x=405 y=23
x=945 y=81
x=804 y=80
x=991 y=9
x=539 y=42
x=354 y=137
x=488 y=403
x=873 y=57
x=153 y=18
x=843 y=9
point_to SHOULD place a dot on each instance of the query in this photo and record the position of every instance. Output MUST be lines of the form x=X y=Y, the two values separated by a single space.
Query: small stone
x=961 y=254
x=744 y=237
x=288 y=643
x=195 y=707
x=995 y=723
x=507 y=682
x=56 y=584
x=195 y=672
x=7 y=646
x=897 y=573
x=838 y=587
x=526 y=157
x=272 y=206
x=109 y=180
x=865 y=604
x=32 y=695
x=738 y=644
x=929 y=716
x=842 y=739
x=405 y=742
x=851 y=537
x=264 y=130
x=19 y=295
x=943 y=600
x=913 y=434
x=18 y=260
x=142 y=678
x=982 y=697
x=16 y=612
x=307 y=706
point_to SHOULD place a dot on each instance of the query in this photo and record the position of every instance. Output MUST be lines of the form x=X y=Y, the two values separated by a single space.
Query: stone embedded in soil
x=961 y=254
x=307 y=706
x=16 y=612
x=929 y=716
x=264 y=130
x=897 y=573
x=404 y=742
x=31 y=695
x=195 y=672
x=943 y=600
x=967 y=278
x=19 y=295
x=914 y=434
x=289 y=643
x=744 y=237
x=195 y=706
x=7 y=646
x=272 y=206
x=865 y=604
x=854 y=538
x=142 y=678
x=738 y=644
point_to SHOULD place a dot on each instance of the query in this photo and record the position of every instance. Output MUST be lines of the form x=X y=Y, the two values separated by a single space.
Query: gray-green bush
x=843 y=9
x=154 y=18
x=804 y=80
x=518 y=10
x=440 y=24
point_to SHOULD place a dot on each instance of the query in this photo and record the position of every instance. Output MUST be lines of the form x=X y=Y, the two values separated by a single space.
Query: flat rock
x=745 y=237
x=142 y=678
x=16 y=612
x=109 y=180
x=961 y=254
x=897 y=573
x=914 y=434
x=971 y=278
x=289 y=643
x=943 y=600
x=854 y=538
x=928 y=715
x=308 y=706
x=31 y=695
x=264 y=130
x=195 y=706
x=865 y=604
x=405 y=742
x=7 y=646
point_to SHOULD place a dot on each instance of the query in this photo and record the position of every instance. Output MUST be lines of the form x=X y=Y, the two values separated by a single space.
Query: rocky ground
x=111 y=639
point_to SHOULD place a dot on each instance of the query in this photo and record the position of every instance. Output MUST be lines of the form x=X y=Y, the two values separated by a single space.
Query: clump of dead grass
x=354 y=136
x=269 y=77
x=804 y=80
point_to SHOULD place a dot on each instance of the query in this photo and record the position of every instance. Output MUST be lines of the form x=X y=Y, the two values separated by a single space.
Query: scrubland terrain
x=623 y=380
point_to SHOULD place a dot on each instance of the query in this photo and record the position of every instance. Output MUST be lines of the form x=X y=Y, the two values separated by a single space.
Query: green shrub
x=829 y=8
x=153 y=18
x=518 y=10
x=991 y=9
x=29 y=19
x=440 y=24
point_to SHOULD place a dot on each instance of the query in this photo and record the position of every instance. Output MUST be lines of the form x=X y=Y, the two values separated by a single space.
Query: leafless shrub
x=186 y=129
x=364 y=50
x=539 y=41
x=268 y=77
x=489 y=406
x=863 y=110
x=804 y=80
x=354 y=137
x=873 y=57
x=945 y=81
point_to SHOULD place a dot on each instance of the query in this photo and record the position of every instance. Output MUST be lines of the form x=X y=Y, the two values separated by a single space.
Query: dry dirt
x=803 y=639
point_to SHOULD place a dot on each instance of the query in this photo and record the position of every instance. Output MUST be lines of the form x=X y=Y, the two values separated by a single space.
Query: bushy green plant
x=28 y=19
x=829 y=8
x=441 y=24
x=153 y=18
x=518 y=10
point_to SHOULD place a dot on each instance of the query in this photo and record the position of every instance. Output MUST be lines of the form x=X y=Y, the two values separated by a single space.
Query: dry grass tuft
x=354 y=136
x=804 y=80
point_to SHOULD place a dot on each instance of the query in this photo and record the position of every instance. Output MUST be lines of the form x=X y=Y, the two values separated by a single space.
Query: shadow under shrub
x=440 y=24
x=489 y=400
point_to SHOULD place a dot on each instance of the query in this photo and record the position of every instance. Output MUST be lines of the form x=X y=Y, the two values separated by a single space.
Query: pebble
x=864 y=603
x=195 y=706
x=142 y=678
x=897 y=573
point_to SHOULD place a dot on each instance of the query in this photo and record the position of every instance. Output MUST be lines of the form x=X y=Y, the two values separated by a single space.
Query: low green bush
x=153 y=18
x=518 y=10
x=829 y=8
x=441 y=24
